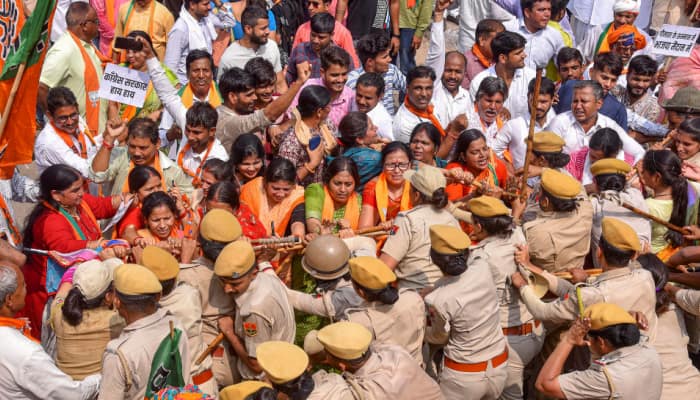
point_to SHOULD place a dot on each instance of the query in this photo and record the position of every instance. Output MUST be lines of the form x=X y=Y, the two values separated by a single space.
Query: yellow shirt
x=140 y=20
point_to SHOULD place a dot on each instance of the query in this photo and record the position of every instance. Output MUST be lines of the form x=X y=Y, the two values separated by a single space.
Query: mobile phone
x=314 y=142
x=127 y=43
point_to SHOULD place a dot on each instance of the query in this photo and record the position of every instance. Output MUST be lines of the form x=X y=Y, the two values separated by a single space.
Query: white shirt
x=191 y=160
x=50 y=149
x=27 y=372
x=404 y=122
x=470 y=13
x=566 y=126
x=592 y=12
x=475 y=122
x=516 y=102
x=541 y=46
x=237 y=56
x=513 y=136
x=447 y=107
x=382 y=120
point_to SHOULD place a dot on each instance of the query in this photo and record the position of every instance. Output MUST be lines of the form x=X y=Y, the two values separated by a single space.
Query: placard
x=675 y=40
x=124 y=85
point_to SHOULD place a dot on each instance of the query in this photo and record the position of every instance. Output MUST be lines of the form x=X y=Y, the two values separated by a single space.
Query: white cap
x=626 y=6
x=92 y=278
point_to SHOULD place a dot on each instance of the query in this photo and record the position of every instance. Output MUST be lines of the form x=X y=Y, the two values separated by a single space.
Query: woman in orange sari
x=386 y=195
x=277 y=200
x=480 y=163
x=160 y=218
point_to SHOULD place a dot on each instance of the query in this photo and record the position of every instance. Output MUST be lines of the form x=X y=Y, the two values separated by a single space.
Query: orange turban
x=629 y=36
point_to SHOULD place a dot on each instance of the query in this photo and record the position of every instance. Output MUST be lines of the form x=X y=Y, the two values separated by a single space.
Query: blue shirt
x=612 y=108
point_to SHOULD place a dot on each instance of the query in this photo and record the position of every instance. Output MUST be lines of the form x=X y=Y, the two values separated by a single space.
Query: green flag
x=166 y=368
x=33 y=39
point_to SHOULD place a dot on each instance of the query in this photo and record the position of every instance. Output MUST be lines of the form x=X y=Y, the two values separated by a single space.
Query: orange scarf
x=187 y=95
x=195 y=175
x=480 y=56
x=253 y=194
x=110 y=10
x=19 y=324
x=68 y=140
x=381 y=194
x=125 y=26
x=499 y=121
x=174 y=234
x=426 y=114
x=129 y=111
x=14 y=233
x=92 y=84
x=156 y=165
x=77 y=231
x=352 y=209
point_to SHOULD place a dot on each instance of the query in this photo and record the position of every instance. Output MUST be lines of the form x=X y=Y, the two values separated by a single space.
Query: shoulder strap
x=127 y=371
x=611 y=385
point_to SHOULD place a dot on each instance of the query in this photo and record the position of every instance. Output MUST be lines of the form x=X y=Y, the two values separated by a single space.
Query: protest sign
x=124 y=85
x=675 y=40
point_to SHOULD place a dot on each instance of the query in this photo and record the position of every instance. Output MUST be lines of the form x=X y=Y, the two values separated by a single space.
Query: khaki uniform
x=79 y=348
x=463 y=314
x=330 y=304
x=680 y=376
x=263 y=314
x=608 y=204
x=410 y=246
x=126 y=364
x=184 y=303
x=215 y=304
x=631 y=288
x=401 y=323
x=498 y=253
x=330 y=386
x=559 y=241
x=632 y=372
x=391 y=373
x=689 y=300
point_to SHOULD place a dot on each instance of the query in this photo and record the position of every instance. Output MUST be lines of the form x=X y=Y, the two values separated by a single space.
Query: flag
x=166 y=368
x=22 y=41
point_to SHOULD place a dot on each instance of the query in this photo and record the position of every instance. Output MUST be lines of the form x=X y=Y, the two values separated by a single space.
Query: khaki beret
x=620 y=235
x=426 y=179
x=610 y=166
x=370 y=272
x=446 y=239
x=603 y=315
x=487 y=206
x=220 y=226
x=281 y=361
x=345 y=340
x=547 y=142
x=134 y=279
x=161 y=262
x=235 y=260
x=560 y=185
x=242 y=390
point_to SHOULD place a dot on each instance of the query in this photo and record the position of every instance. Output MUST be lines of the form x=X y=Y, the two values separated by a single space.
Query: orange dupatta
x=92 y=84
x=77 y=232
x=381 y=195
x=253 y=195
x=480 y=56
x=195 y=175
x=156 y=165
x=19 y=324
x=81 y=139
x=187 y=95
x=352 y=209
x=427 y=114
x=129 y=111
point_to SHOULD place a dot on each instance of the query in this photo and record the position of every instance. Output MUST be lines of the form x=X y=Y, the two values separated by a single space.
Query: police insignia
x=250 y=328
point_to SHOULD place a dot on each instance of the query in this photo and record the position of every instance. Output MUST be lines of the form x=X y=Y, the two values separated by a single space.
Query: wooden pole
x=654 y=218
x=11 y=99
x=531 y=132
x=212 y=346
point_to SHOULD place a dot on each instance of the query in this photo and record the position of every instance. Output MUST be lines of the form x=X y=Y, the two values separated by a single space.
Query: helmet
x=326 y=258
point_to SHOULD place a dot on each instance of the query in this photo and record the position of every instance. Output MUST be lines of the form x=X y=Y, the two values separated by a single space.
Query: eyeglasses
x=402 y=166
x=63 y=119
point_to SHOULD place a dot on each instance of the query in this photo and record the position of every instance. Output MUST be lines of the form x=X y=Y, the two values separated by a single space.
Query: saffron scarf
x=129 y=111
x=480 y=56
x=187 y=95
x=19 y=324
x=68 y=140
x=156 y=165
x=253 y=194
x=381 y=194
x=426 y=114
x=194 y=175
x=352 y=209
x=15 y=235
x=77 y=231
x=92 y=84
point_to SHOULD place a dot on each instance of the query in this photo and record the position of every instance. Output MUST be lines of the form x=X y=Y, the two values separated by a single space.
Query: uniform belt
x=520 y=330
x=202 y=377
x=478 y=367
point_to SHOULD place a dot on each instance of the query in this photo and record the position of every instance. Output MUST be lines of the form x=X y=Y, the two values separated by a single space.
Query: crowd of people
x=304 y=208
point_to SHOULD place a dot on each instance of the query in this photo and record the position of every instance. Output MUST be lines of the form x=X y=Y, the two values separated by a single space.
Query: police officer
x=559 y=238
x=377 y=372
x=127 y=362
x=463 y=315
x=248 y=390
x=285 y=365
x=626 y=369
x=496 y=237
x=263 y=312
x=182 y=301
x=393 y=316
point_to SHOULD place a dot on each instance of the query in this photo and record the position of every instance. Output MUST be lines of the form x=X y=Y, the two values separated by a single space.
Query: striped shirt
x=394 y=81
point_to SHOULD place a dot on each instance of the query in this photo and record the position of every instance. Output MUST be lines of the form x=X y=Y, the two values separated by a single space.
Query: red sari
x=250 y=224
x=53 y=231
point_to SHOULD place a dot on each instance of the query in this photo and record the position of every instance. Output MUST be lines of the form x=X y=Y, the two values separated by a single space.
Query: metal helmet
x=326 y=258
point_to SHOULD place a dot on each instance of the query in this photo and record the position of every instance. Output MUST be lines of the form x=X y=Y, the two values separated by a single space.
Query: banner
x=22 y=41
x=675 y=40
x=124 y=85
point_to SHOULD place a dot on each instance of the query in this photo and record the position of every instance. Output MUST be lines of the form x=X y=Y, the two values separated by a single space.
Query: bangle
x=396 y=35
x=311 y=171
x=108 y=146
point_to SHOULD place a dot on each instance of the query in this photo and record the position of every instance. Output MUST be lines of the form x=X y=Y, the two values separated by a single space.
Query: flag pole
x=11 y=98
